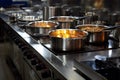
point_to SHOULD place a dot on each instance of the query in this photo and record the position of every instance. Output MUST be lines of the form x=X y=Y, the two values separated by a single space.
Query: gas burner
x=108 y=68
x=89 y=47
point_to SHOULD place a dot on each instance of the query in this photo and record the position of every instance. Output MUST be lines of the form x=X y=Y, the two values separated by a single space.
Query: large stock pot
x=67 y=39
x=97 y=33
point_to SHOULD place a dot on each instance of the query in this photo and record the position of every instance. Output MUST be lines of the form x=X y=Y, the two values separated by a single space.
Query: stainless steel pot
x=67 y=39
x=14 y=15
x=55 y=11
x=29 y=18
x=52 y=11
x=66 y=22
x=40 y=27
x=97 y=33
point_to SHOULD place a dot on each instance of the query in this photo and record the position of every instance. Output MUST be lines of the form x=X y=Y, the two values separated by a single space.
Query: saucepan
x=15 y=15
x=40 y=27
x=29 y=18
x=67 y=39
x=97 y=33
x=66 y=22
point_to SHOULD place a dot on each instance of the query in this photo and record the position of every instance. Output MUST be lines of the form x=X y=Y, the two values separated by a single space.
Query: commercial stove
x=112 y=43
x=100 y=67
x=108 y=69
x=36 y=60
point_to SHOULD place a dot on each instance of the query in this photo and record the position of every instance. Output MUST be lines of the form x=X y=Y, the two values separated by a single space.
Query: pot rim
x=66 y=17
x=106 y=28
x=29 y=25
x=84 y=37
x=35 y=18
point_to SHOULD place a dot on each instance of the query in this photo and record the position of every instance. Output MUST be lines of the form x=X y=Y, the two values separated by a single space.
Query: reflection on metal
x=64 y=60
x=55 y=64
x=110 y=53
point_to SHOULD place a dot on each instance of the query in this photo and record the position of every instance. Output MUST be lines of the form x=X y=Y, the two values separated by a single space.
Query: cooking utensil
x=97 y=33
x=67 y=39
x=14 y=15
x=111 y=28
x=66 y=22
x=41 y=27
x=29 y=18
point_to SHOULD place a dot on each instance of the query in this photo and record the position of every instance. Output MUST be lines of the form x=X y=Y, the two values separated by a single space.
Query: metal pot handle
x=112 y=27
x=81 y=18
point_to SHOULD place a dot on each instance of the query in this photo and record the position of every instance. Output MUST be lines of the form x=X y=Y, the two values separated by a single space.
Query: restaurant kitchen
x=60 y=39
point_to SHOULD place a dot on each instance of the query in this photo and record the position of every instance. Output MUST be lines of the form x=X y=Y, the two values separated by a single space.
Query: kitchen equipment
x=105 y=70
x=55 y=11
x=31 y=47
x=40 y=27
x=14 y=15
x=74 y=11
x=52 y=11
x=97 y=33
x=66 y=22
x=67 y=39
x=116 y=34
x=29 y=18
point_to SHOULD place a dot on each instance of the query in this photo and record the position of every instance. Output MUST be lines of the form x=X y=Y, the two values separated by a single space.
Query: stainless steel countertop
x=64 y=64
x=65 y=70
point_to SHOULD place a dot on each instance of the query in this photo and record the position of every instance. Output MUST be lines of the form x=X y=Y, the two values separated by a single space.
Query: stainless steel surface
x=45 y=13
x=40 y=27
x=14 y=14
x=66 y=22
x=29 y=18
x=63 y=65
x=90 y=73
x=63 y=70
x=55 y=11
x=96 y=35
x=116 y=34
x=67 y=39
